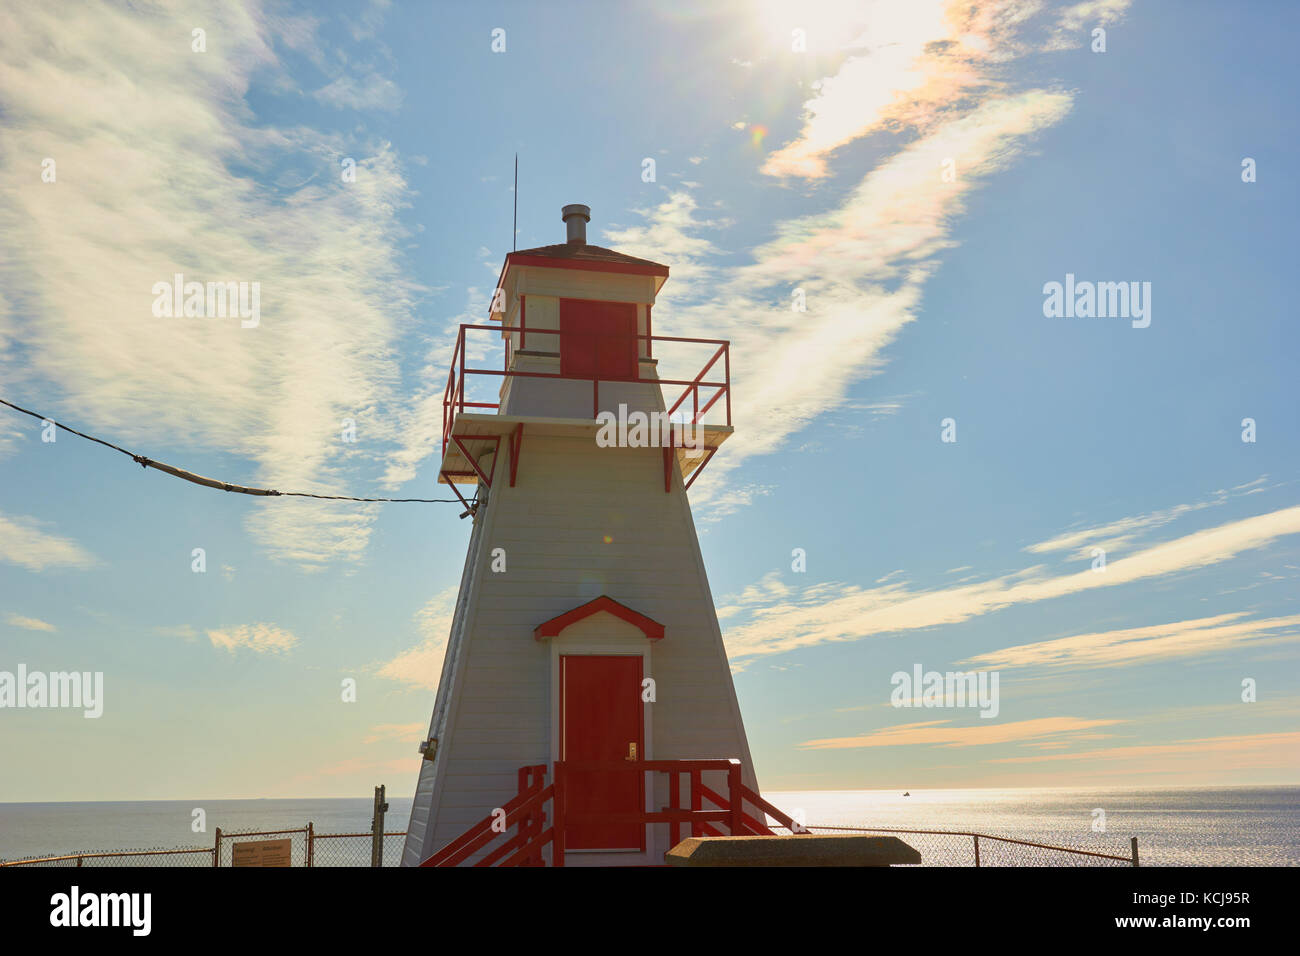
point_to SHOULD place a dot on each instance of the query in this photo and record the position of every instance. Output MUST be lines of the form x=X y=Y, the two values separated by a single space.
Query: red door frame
x=640 y=736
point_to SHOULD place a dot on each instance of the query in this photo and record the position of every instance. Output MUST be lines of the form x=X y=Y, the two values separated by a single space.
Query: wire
x=144 y=462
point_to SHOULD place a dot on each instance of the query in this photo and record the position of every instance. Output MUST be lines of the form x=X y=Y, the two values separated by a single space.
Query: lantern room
x=575 y=322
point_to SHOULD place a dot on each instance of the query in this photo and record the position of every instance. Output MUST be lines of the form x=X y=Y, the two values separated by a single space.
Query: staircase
x=517 y=833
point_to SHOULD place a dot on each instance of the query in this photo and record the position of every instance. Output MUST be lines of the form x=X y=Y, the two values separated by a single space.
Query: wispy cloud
x=1239 y=751
x=421 y=666
x=784 y=618
x=11 y=432
x=1139 y=645
x=942 y=733
x=1116 y=534
x=24 y=542
x=258 y=638
x=875 y=85
x=29 y=623
x=368 y=92
x=183 y=631
x=381 y=732
x=79 y=256
x=1075 y=23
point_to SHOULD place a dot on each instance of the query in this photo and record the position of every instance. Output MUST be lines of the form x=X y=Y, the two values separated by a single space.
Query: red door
x=598 y=339
x=601 y=719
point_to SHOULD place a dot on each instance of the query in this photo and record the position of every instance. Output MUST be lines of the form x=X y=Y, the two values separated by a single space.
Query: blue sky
x=775 y=169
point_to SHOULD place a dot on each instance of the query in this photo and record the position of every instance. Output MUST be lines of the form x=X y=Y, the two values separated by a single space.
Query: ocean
x=1252 y=826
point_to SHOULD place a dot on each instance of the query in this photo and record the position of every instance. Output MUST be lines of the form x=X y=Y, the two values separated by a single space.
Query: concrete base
x=805 y=849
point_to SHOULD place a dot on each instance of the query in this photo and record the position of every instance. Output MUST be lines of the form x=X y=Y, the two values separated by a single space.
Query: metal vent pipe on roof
x=576 y=216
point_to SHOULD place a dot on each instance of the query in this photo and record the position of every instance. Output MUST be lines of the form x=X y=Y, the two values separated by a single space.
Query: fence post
x=1134 y=843
x=377 y=828
x=311 y=842
x=977 y=849
x=216 y=849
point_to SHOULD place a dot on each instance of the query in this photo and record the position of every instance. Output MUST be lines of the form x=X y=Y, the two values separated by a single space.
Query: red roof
x=573 y=255
x=581 y=252
x=651 y=628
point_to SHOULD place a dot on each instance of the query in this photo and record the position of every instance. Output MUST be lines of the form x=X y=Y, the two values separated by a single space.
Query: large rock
x=804 y=849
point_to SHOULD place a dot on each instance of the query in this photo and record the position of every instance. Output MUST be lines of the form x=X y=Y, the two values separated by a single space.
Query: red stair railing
x=709 y=814
x=526 y=812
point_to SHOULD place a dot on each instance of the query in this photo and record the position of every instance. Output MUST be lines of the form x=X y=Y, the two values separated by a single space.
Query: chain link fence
x=354 y=849
x=305 y=848
x=188 y=856
x=299 y=846
x=308 y=848
x=950 y=848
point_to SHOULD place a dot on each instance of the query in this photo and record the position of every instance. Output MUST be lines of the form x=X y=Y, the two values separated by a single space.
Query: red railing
x=454 y=399
x=527 y=812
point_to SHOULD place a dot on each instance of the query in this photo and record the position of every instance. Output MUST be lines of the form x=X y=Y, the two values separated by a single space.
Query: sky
x=1103 y=510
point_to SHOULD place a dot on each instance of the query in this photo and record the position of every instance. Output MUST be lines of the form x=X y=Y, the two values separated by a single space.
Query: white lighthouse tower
x=586 y=713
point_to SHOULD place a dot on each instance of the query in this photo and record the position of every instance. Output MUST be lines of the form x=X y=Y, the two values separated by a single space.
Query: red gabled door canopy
x=652 y=629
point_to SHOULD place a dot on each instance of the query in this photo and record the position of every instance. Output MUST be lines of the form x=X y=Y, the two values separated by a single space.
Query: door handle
x=631 y=753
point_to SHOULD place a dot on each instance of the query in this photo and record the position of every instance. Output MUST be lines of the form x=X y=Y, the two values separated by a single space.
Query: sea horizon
x=902 y=789
x=1218 y=825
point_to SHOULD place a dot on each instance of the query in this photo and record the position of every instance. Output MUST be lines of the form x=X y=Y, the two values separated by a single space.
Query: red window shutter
x=598 y=339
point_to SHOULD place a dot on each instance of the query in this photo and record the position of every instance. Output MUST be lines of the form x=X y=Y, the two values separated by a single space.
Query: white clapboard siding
x=494 y=711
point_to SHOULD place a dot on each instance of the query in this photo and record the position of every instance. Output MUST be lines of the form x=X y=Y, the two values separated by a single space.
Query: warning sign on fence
x=261 y=853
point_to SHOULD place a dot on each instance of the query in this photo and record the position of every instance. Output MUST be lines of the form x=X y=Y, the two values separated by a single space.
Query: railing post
x=1133 y=842
x=557 y=844
x=448 y=394
x=311 y=840
x=216 y=849
x=733 y=795
x=78 y=861
x=674 y=804
x=726 y=358
x=977 y=849
x=697 y=802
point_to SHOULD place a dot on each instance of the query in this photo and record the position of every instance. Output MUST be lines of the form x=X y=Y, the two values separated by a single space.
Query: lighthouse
x=586 y=713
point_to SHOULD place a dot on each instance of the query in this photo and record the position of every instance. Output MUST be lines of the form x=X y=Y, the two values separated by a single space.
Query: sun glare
x=827 y=25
